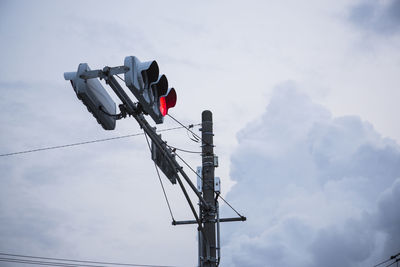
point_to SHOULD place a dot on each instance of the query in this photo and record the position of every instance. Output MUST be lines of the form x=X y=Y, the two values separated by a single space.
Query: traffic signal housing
x=150 y=88
x=161 y=161
x=94 y=97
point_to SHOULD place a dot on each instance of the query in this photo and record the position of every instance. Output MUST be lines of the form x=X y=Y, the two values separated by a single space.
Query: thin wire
x=190 y=167
x=383 y=262
x=396 y=261
x=170 y=129
x=207 y=184
x=226 y=202
x=69 y=145
x=82 y=143
x=73 y=260
x=116 y=116
x=45 y=263
x=49 y=263
x=194 y=138
x=78 y=261
x=159 y=178
x=184 y=150
x=120 y=77
x=391 y=258
x=187 y=129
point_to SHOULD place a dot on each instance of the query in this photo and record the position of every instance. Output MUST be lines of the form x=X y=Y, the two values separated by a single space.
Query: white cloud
x=312 y=186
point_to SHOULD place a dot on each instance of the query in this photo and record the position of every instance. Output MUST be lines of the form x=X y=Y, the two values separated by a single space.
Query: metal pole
x=218 y=236
x=200 y=236
x=208 y=213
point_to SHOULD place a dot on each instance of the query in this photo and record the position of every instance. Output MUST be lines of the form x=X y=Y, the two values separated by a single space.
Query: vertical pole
x=200 y=237
x=208 y=215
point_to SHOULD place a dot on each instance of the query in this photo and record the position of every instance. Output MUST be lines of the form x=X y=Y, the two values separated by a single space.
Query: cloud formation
x=379 y=16
x=317 y=190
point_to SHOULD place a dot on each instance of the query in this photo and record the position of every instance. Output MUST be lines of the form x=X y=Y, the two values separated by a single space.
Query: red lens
x=163 y=106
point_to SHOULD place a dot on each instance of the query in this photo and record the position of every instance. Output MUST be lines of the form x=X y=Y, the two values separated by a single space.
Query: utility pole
x=208 y=257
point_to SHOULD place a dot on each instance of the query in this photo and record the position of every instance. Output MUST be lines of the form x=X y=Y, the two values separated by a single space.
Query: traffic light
x=94 y=96
x=150 y=88
x=164 y=99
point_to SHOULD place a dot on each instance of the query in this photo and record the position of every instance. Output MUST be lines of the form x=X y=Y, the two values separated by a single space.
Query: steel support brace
x=236 y=219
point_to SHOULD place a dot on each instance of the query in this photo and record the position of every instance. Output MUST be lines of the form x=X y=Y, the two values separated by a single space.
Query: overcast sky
x=305 y=104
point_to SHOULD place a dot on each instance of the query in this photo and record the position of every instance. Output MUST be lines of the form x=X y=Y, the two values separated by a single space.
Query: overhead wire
x=190 y=167
x=51 y=261
x=45 y=263
x=193 y=138
x=159 y=178
x=226 y=202
x=383 y=262
x=82 y=143
x=120 y=77
x=183 y=150
x=187 y=129
x=393 y=257
x=396 y=261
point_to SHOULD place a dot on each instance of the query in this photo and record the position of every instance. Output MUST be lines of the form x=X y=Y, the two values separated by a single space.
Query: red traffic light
x=167 y=101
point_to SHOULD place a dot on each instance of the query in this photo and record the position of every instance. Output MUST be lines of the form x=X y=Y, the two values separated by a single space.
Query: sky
x=305 y=105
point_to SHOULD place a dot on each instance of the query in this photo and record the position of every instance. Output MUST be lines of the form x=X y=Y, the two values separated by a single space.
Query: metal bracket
x=106 y=71
x=236 y=219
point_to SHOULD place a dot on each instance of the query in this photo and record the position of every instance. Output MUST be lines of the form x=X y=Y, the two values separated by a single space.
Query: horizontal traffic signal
x=94 y=96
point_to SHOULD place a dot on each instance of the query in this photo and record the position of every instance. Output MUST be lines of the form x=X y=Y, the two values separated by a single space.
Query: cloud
x=378 y=16
x=317 y=190
x=388 y=218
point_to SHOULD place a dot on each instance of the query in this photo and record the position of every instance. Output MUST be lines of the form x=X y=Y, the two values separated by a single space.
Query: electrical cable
x=159 y=178
x=45 y=263
x=120 y=77
x=49 y=261
x=396 y=261
x=118 y=116
x=226 y=202
x=183 y=150
x=69 y=145
x=391 y=258
x=195 y=171
x=187 y=128
x=383 y=262
x=82 y=143
x=194 y=138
